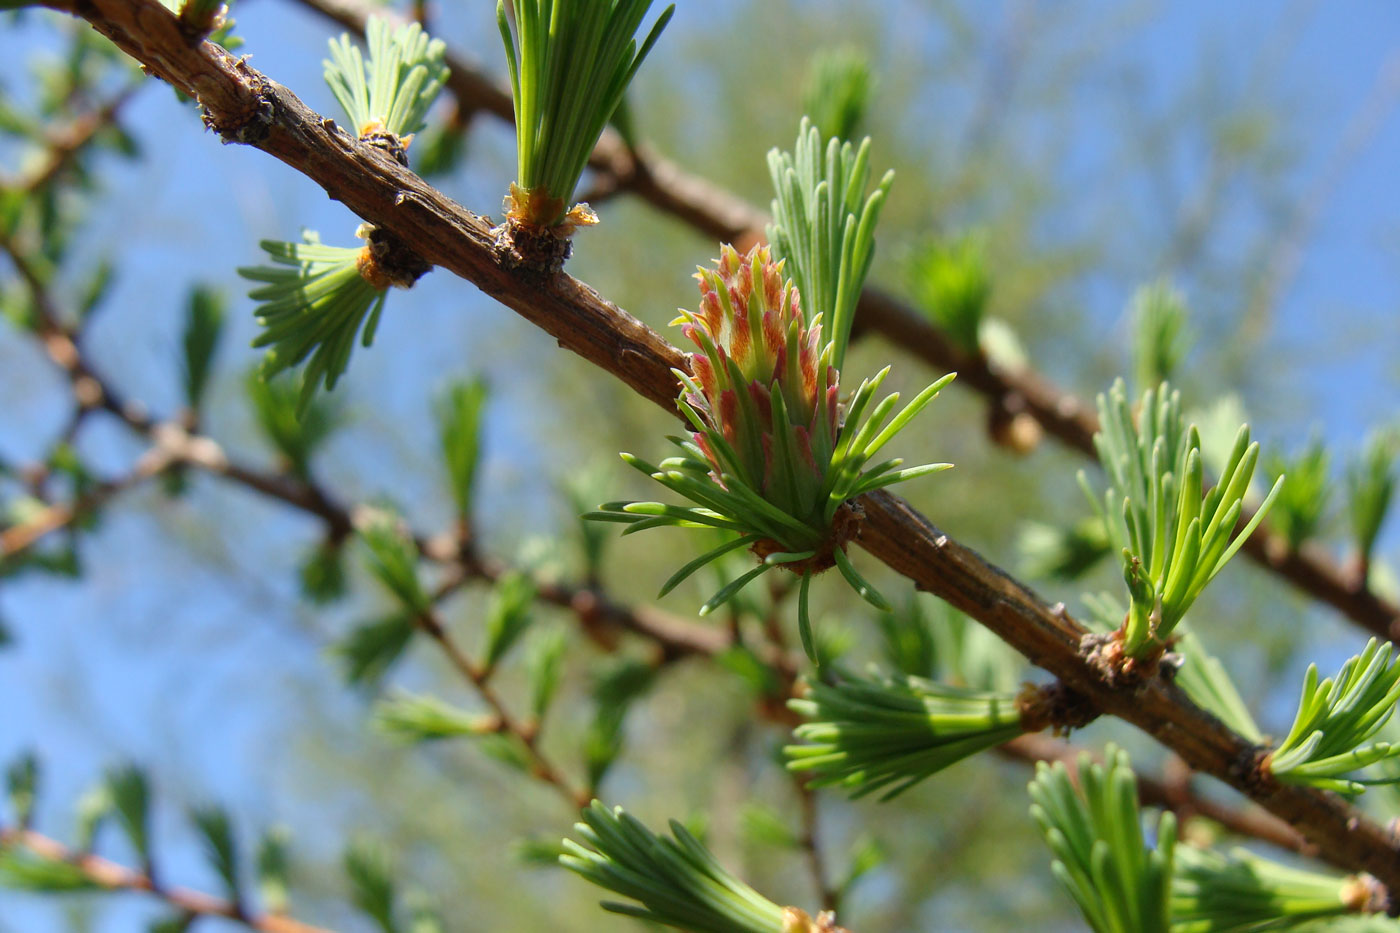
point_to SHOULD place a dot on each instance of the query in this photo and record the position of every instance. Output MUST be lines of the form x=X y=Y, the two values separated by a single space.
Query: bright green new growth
x=1174 y=536
x=570 y=64
x=204 y=320
x=1371 y=481
x=393 y=559
x=313 y=304
x=677 y=881
x=1095 y=831
x=947 y=646
x=838 y=92
x=316 y=299
x=392 y=91
x=1335 y=717
x=951 y=283
x=1239 y=892
x=771 y=458
x=734 y=505
x=1210 y=686
x=824 y=225
x=460 y=413
x=889 y=734
x=1198 y=672
x=416 y=718
x=1161 y=339
x=1302 y=499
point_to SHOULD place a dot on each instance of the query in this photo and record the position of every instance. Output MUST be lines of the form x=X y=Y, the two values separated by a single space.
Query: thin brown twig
x=112 y=876
x=716 y=212
x=810 y=840
x=603 y=620
x=58 y=515
x=235 y=97
x=479 y=678
x=65 y=143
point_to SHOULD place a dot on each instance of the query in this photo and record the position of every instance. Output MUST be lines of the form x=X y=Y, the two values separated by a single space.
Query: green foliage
x=1334 y=719
x=22 y=787
x=676 y=881
x=393 y=559
x=423 y=915
x=584 y=489
x=131 y=801
x=508 y=616
x=297 y=428
x=1210 y=686
x=371 y=648
x=1173 y=539
x=96 y=287
x=392 y=91
x=1302 y=498
x=570 y=64
x=24 y=871
x=93 y=809
x=889 y=734
x=770 y=459
x=220 y=848
x=544 y=663
x=441 y=147
x=273 y=865
x=1217 y=893
x=908 y=640
x=312 y=304
x=762 y=826
x=929 y=639
x=1370 y=484
x=204 y=321
x=179 y=923
x=1199 y=673
x=1051 y=552
x=951 y=283
x=838 y=91
x=615 y=689
x=1161 y=338
x=425 y=719
x=1095 y=831
x=322 y=572
x=824 y=226
x=460 y=416
x=371 y=874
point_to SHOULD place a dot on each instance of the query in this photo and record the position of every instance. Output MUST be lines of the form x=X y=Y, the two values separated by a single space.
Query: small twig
x=61 y=514
x=477 y=677
x=65 y=143
x=812 y=848
x=381 y=191
x=108 y=874
x=716 y=212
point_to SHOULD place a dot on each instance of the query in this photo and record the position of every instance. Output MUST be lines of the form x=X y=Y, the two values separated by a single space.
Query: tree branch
x=710 y=209
x=114 y=877
x=245 y=106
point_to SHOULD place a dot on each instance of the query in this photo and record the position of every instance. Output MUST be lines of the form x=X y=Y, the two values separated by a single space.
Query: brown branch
x=480 y=679
x=64 y=144
x=716 y=212
x=59 y=515
x=112 y=876
x=61 y=344
x=602 y=619
x=243 y=105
